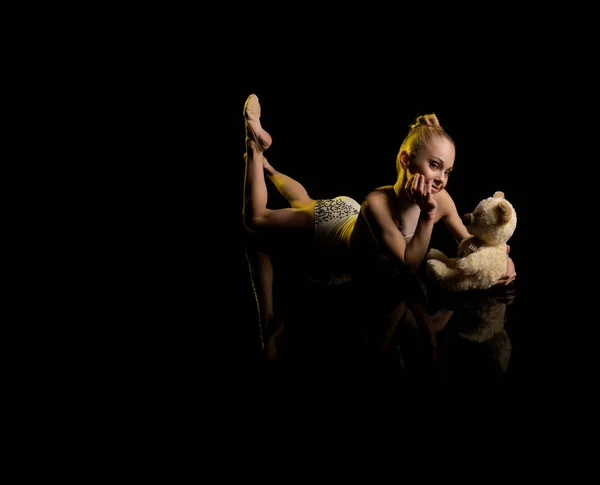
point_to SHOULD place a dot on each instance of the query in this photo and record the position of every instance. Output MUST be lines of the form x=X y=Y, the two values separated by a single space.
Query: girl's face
x=435 y=162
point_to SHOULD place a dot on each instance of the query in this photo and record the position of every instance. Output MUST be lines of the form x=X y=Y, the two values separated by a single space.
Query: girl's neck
x=397 y=188
x=401 y=202
x=401 y=193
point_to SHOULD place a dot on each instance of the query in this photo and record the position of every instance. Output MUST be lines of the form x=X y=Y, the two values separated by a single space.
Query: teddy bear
x=482 y=257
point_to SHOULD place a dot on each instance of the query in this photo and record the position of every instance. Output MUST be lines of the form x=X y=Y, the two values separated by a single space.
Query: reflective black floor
x=398 y=336
x=442 y=338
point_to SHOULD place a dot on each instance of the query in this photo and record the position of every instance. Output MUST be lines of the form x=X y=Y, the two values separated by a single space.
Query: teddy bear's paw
x=435 y=268
x=436 y=254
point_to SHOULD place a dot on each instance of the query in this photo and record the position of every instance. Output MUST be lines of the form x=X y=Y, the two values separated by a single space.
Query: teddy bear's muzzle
x=467 y=219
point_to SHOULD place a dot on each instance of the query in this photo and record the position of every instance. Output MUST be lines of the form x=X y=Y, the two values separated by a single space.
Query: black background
x=337 y=112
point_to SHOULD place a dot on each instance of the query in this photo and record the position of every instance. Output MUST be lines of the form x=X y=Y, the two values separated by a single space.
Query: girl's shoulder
x=383 y=192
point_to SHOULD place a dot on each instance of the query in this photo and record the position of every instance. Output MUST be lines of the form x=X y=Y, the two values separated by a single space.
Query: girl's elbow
x=413 y=269
x=412 y=266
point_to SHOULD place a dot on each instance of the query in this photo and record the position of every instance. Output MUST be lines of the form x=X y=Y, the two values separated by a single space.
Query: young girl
x=386 y=237
x=392 y=229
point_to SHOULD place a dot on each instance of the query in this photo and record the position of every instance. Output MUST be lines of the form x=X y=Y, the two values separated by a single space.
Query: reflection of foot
x=273 y=331
x=253 y=126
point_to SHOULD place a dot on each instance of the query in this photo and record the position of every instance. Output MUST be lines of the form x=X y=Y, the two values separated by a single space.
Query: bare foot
x=268 y=167
x=254 y=130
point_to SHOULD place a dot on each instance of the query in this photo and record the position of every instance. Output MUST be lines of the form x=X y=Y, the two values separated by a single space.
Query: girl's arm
x=449 y=214
x=411 y=254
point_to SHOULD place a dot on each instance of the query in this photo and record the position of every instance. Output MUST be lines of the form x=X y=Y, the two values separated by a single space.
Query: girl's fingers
x=415 y=185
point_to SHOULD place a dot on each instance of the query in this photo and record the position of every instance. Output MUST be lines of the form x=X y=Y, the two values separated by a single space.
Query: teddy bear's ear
x=505 y=212
x=499 y=194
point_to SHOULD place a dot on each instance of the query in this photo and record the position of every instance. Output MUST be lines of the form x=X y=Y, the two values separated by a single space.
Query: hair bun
x=426 y=120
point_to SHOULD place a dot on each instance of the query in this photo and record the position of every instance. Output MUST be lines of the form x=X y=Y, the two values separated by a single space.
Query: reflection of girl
x=476 y=344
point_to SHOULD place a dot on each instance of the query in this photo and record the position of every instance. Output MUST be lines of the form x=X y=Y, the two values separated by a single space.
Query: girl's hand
x=510 y=274
x=420 y=191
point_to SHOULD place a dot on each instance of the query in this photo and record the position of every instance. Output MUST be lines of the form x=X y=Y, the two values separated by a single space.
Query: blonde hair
x=419 y=135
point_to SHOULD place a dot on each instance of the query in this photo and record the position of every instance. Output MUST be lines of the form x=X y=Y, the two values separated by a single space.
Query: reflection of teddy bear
x=482 y=256
x=483 y=322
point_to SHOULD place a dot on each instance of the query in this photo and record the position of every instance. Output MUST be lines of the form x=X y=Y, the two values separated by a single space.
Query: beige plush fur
x=482 y=256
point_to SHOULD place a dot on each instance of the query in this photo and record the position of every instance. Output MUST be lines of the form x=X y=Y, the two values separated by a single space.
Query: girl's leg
x=255 y=212
x=291 y=189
